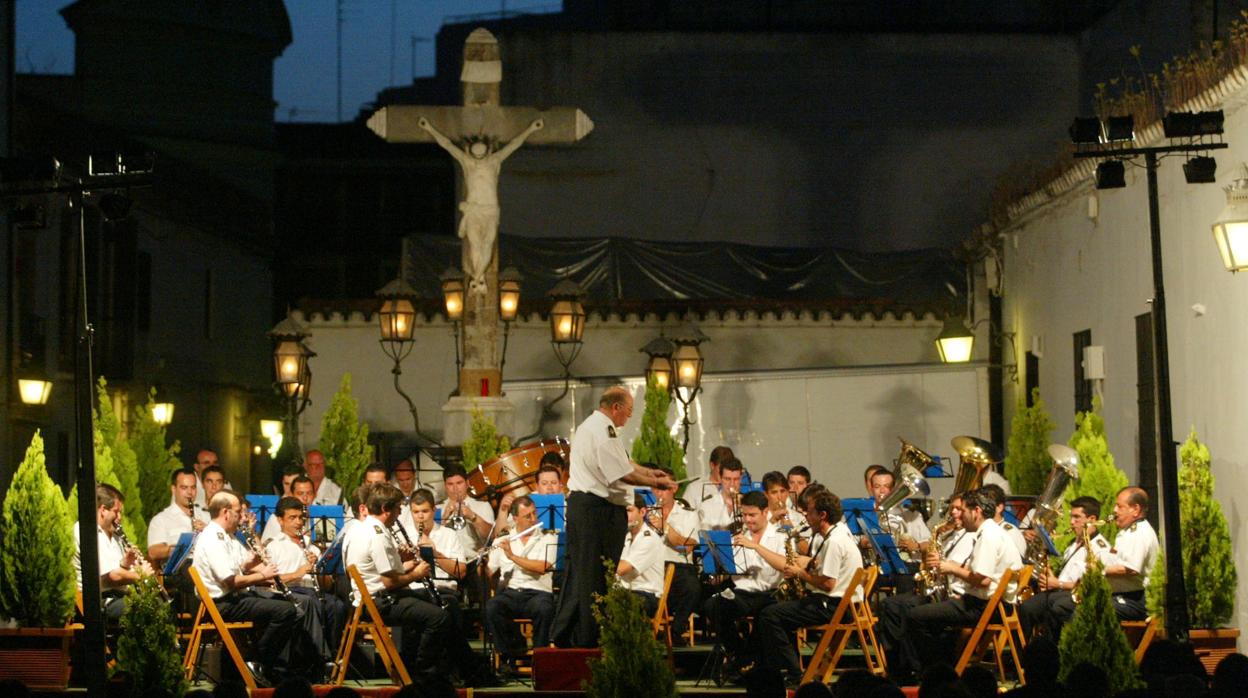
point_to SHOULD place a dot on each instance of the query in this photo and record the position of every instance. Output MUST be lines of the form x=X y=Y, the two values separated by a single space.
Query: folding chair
x=217 y=624
x=864 y=622
x=1010 y=630
x=1146 y=630
x=981 y=633
x=662 y=622
x=376 y=627
x=836 y=634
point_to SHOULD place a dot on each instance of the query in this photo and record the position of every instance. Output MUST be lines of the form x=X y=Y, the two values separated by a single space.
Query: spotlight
x=1191 y=125
x=1085 y=131
x=1200 y=170
x=1111 y=175
x=1120 y=128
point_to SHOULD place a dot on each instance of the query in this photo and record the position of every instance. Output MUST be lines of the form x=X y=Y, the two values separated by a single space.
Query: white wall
x=1066 y=271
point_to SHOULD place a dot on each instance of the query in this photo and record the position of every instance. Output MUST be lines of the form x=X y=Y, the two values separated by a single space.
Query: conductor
x=597 y=519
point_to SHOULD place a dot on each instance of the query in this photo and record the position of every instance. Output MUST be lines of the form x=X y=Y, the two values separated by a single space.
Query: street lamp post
x=508 y=307
x=567 y=332
x=687 y=363
x=293 y=376
x=396 y=319
x=659 y=367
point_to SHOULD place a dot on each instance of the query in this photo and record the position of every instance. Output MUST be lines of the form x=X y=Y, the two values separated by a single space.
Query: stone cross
x=480 y=135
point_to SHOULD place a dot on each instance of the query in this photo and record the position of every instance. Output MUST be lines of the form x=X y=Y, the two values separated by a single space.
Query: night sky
x=304 y=75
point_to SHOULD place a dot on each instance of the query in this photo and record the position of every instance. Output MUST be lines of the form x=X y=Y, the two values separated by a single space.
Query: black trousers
x=1051 y=609
x=459 y=657
x=279 y=618
x=894 y=613
x=324 y=618
x=926 y=639
x=649 y=602
x=724 y=613
x=775 y=624
x=685 y=596
x=596 y=530
x=425 y=630
x=1130 y=605
x=504 y=607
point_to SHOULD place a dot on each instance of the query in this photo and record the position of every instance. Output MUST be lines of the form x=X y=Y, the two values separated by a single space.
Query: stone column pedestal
x=457 y=417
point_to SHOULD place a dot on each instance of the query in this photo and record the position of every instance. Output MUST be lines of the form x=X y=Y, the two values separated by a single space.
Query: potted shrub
x=656 y=444
x=147 y=648
x=633 y=663
x=37 y=580
x=1099 y=476
x=344 y=439
x=1095 y=636
x=1028 y=463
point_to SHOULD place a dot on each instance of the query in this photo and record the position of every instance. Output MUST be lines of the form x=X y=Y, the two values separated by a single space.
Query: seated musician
x=641 y=566
x=549 y=481
x=702 y=488
x=759 y=571
x=119 y=567
x=450 y=566
x=387 y=576
x=718 y=511
x=240 y=583
x=181 y=516
x=953 y=543
x=826 y=574
x=799 y=477
x=292 y=553
x=478 y=515
x=1011 y=531
x=908 y=527
x=524 y=590
x=991 y=555
x=1135 y=549
x=679 y=524
x=781 y=510
x=1052 y=606
x=302 y=490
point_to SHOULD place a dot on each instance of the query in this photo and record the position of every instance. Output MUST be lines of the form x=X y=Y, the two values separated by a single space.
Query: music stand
x=551 y=510
x=561 y=550
x=330 y=562
x=319 y=516
x=1045 y=536
x=263 y=506
x=180 y=556
x=719 y=546
x=863 y=520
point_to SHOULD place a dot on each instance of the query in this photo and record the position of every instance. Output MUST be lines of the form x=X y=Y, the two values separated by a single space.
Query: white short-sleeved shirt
x=538 y=546
x=992 y=477
x=168 y=525
x=328 y=494
x=756 y=573
x=272 y=528
x=109 y=552
x=599 y=460
x=1075 y=558
x=993 y=554
x=837 y=556
x=1136 y=549
x=447 y=544
x=699 y=490
x=369 y=547
x=958 y=550
x=287 y=555
x=218 y=556
x=468 y=538
x=644 y=551
x=1015 y=534
x=714 y=514
x=685 y=523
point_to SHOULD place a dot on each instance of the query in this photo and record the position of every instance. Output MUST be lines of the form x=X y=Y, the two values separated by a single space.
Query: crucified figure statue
x=478 y=227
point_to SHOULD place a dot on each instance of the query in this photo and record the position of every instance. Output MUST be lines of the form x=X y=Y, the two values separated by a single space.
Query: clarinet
x=127 y=546
x=430 y=587
x=256 y=548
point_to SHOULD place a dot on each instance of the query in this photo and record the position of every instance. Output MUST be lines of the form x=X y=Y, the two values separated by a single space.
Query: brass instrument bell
x=1065 y=469
x=909 y=479
x=976 y=456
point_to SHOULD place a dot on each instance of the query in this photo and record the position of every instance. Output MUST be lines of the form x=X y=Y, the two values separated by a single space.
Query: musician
x=1052 y=606
x=718 y=511
x=403 y=477
x=375 y=474
x=760 y=566
x=371 y=548
x=597 y=522
x=118 y=567
x=1013 y=532
x=239 y=583
x=826 y=575
x=477 y=514
x=870 y=473
x=326 y=492
x=212 y=480
x=799 y=478
x=182 y=516
x=780 y=509
x=524 y=566
x=549 y=481
x=550 y=476
x=554 y=458
x=992 y=554
x=703 y=487
x=679 y=524
x=450 y=564
x=204 y=459
x=955 y=544
x=1136 y=550
x=292 y=553
x=302 y=490
x=907 y=526
x=289 y=473
x=641 y=568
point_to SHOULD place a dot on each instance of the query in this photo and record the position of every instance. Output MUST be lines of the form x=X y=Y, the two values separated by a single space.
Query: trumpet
x=1085 y=536
x=457 y=522
x=738 y=522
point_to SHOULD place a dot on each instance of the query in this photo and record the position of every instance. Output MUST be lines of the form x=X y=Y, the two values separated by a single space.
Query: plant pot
x=38 y=657
x=1212 y=645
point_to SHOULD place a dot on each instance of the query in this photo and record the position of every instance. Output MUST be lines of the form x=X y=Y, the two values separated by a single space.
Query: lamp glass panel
x=396 y=317
x=567 y=322
x=687 y=362
x=269 y=427
x=508 y=300
x=660 y=371
x=34 y=391
x=289 y=361
x=1232 y=239
x=162 y=413
x=955 y=350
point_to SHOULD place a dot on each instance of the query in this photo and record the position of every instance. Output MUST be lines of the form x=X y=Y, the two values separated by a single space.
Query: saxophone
x=791 y=588
x=927 y=581
x=1093 y=562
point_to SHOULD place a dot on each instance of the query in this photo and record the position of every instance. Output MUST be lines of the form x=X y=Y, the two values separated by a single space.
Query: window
x=1083 y=387
x=1031 y=378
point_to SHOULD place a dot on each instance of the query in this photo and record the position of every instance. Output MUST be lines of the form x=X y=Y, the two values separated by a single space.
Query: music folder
x=718 y=558
x=180 y=557
x=862 y=519
x=551 y=510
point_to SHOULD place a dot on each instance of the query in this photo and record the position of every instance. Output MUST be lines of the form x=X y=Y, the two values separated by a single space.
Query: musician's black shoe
x=259 y=674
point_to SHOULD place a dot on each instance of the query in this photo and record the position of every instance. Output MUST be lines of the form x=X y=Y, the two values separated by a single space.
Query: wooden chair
x=215 y=624
x=836 y=634
x=375 y=626
x=864 y=621
x=662 y=622
x=1009 y=630
x=1146 y=630
x=982 y=633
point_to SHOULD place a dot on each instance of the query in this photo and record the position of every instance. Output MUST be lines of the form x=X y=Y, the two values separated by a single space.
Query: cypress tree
x=633 y=663
x=155 y=460
x=1094 y=636
x=484 y=442
x=37 y=579
x=344 y=439
x=1208 y=564
x=147 y=649
x=104 y=472
x=1099 y=477
x=1027 y=464
x=125 y=464
x=1155 y=592
x=656 y=444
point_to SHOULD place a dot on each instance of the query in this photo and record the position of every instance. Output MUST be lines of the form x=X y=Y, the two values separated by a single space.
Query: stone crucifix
x=480 y=135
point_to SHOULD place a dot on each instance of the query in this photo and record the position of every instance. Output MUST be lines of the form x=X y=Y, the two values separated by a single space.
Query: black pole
x=84 y=400
x=1176 y=592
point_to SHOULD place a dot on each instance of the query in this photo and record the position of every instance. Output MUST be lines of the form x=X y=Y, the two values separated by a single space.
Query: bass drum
x=514 y=472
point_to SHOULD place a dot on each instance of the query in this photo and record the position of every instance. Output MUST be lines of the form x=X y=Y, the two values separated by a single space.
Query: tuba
x=1065 y=469
x=909 y=476
x=976 y=456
